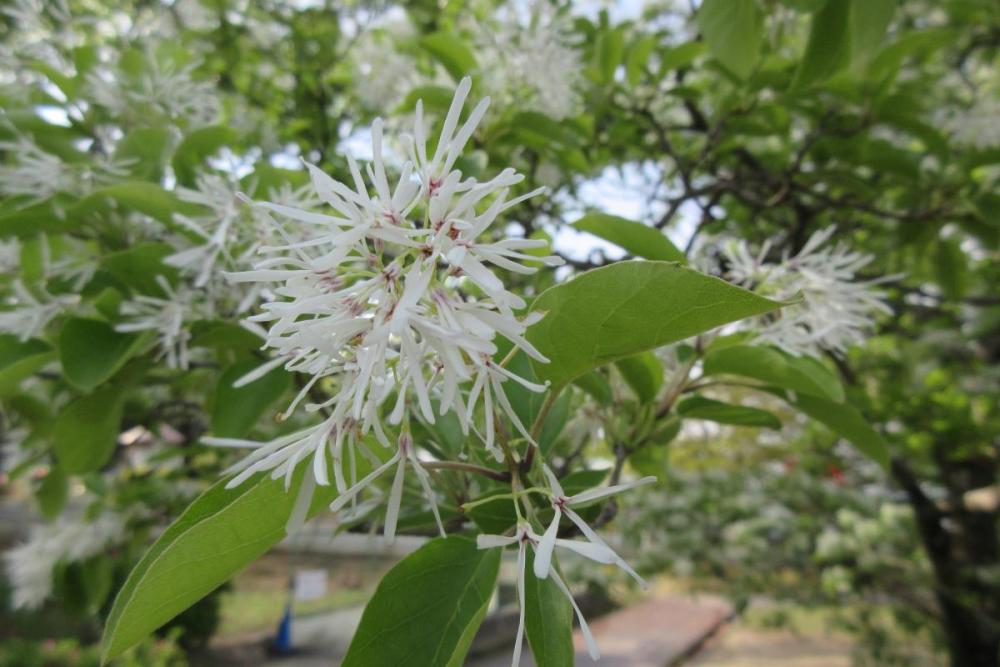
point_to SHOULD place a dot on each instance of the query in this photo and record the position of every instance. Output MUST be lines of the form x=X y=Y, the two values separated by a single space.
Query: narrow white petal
x=395 y=498
x=596 y=494
x=494 y=541
x=543 y=552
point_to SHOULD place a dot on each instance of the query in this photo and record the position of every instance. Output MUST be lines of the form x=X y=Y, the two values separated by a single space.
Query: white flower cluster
x=383 y=75
x=379 y=297
x=68 y=540
x=837 y=309
x=163 y=89
x=31 y=310
x=37 y=175
x=975 y=127
x=527 y=57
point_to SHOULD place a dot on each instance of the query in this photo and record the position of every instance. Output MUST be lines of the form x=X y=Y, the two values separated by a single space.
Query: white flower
x=33 y=310
x=217 y=226
x=369 y=294
x=70 y=539
x=523 y=537
x=977 y=126
x=527 y=60
x=35 y=173
x=383 y=75
x=563 y=505
x=163 y=89
x=169 y=316
x=837 y=309
x=10 y=256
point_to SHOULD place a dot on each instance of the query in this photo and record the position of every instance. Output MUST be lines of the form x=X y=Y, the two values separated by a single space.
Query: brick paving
x=652 y=633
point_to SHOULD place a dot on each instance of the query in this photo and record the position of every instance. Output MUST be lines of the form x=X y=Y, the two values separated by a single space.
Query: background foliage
x=127 y=127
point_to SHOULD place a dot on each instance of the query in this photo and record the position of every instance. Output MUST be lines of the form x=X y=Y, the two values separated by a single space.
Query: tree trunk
x=968 y=608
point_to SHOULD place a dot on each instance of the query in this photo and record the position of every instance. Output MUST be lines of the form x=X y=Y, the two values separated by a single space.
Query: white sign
x=310 y=584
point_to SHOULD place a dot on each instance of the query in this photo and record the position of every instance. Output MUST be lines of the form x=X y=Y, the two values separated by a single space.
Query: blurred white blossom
x=527 y=59
x=162 y=89
x=30 y=310
x=977 y=126
x=70 y=539
x=838 y=309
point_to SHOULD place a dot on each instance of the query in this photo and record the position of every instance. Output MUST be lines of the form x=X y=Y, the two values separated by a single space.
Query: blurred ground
x=738 y=645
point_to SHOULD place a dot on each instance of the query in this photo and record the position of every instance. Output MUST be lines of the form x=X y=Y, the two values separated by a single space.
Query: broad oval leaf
x=548 y=619
x=20 y=359
x=699 y=407
x=770 y=365
x=427 y=609
x=643 y=373
x=844 y=420
x=86 y=431
x=52 y=493
x=597 y=386
x=237 y=409
x=220 y=533
x=629 y=307
x=91 y=351
x=139 y=266
x=636 y=238
x=733 y=30
x=451 y=52
x=829 y=45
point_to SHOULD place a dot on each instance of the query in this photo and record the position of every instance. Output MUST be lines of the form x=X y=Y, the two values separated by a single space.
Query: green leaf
x=636 y=238
x=144 y=152
x=91 y=351
x=829 y=45
x=629 y=307
x=643 y=373
x=86 y=431
x=638 y=56
x=770 y=365
x=451 y=51
x=611 y=50
x=548 y=618
x=733 y=30
x=888 y=61
x=951 y=268
x=807 y=6
x=139 y=266
x=21 y=359
x=427 y=608
x=33 y=220
x=236 y=410
x=597 y=386
x=52 y=493
x=699 y=407
x=554 y=422
x=147 y=198
x=678 y=57
x=221 y=532
x=868 y=23
x=196 y=147
x=225 y=335
x=844 y=420
x=433 y=97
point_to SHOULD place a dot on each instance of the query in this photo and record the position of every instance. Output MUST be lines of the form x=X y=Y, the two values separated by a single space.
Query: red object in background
x=836 y=474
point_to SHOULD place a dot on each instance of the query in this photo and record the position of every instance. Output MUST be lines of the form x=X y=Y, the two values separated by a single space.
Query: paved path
x=653 y=633
x=736 y=646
